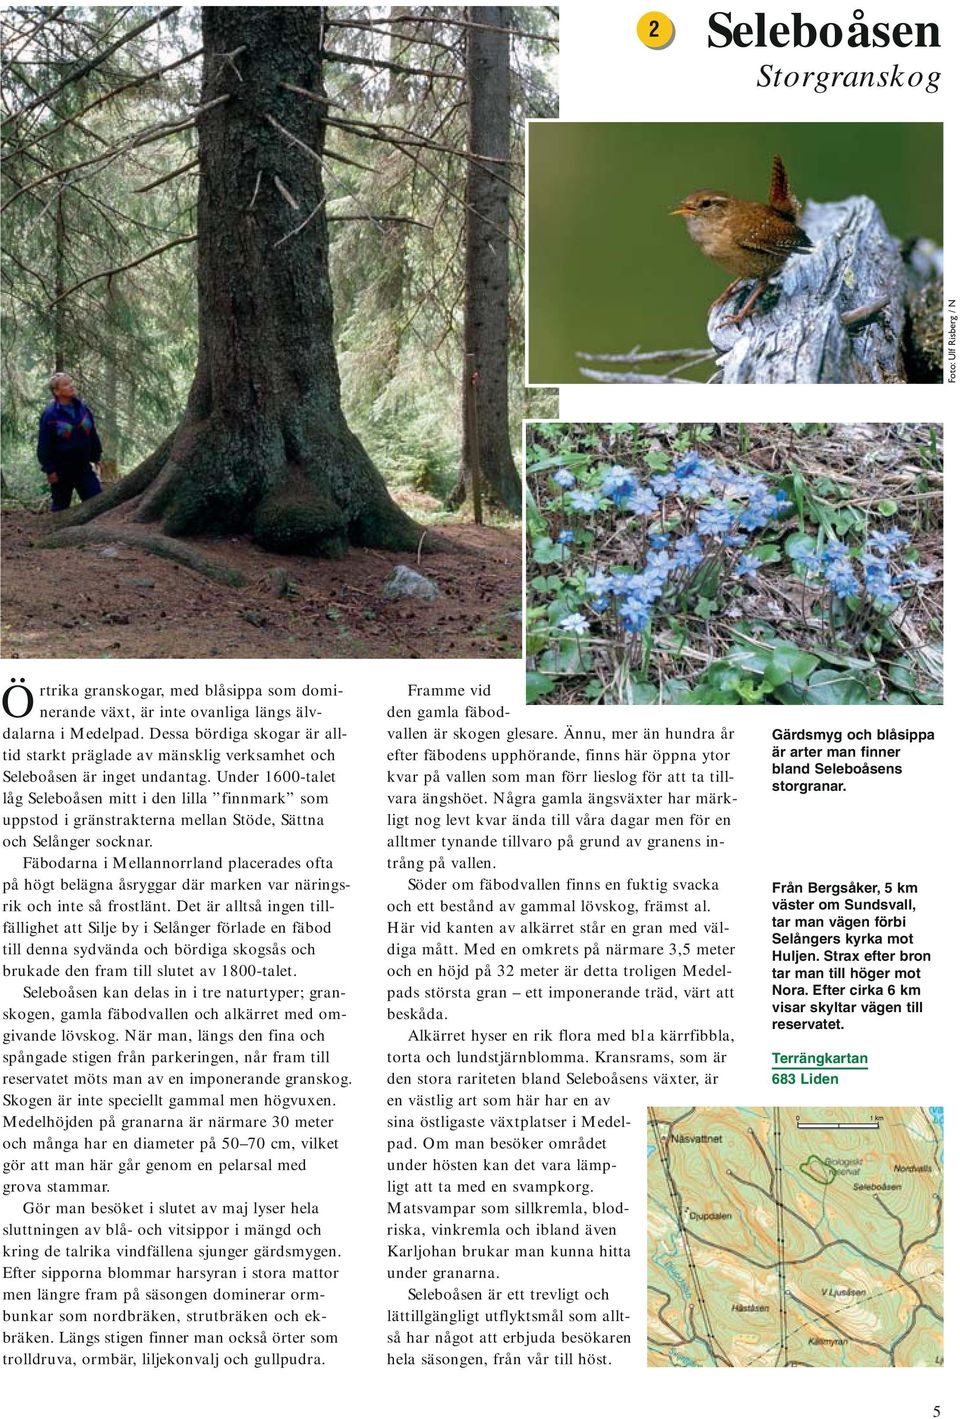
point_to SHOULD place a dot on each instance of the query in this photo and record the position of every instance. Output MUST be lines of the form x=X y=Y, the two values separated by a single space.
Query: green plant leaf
x=798 y=543
x=746 y=657
x=545 y=550
x=535 y=520
x=561 y=460
x=708 y=695
x=902 y=674
x=832 y=687
x=639 y=692
x=674 y=691
x=789 y=663
x=847 y=662
x=706 y=578
x=565 y=658
x=886 y=507
x=753 y=694
x=845 y=520
x=538 y=685
x=799 y=494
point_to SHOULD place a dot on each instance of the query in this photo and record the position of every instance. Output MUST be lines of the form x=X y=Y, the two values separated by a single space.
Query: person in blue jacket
x=68 y=444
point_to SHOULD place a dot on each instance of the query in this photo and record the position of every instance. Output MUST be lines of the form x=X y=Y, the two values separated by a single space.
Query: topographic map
x=795 y=1237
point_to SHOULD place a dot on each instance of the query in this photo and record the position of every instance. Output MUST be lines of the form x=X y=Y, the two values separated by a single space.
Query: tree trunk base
x=160 y=546
x=130 y=487
x=207 y=481
x=502 y=492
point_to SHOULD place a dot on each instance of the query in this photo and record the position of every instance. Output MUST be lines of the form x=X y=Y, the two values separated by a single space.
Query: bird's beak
x=682 y=211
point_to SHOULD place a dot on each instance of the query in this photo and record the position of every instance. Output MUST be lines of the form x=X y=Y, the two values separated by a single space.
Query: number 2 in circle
x=655 y=29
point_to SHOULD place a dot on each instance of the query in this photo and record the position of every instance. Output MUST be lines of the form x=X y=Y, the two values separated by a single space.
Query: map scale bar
x=837 y=1125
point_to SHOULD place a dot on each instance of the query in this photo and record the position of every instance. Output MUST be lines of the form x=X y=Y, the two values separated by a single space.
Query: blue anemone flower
x=663 y=484
x=842 y=578
x=715 y=520
x=810 y=560
x=577 y=625
x=583 y=502
x=920 y=576
x=761 y=509
x=658 y=561
x=834 y=552
x=694 y=487
x=635 y=615
x=748 y=565
x=752 y=519
x=646 y=586
x=879 y=585
x=597 y=584
x=565 y=537
x=642 y=502
x=692 y=465
x=619 y=484
x=887 y=542
x=887 y=600
x=564 y=478
x=688 y=551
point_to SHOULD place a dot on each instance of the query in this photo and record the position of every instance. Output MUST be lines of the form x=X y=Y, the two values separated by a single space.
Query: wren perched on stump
x=751 y=239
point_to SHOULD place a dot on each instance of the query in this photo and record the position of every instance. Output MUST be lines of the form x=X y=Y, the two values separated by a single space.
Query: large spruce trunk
x=486 y=303
x=263 y=446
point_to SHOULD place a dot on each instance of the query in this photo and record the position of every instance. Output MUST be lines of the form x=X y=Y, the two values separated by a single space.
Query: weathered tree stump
x=835 y=316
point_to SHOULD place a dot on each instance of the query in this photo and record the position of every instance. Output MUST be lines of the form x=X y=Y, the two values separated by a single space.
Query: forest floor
x=119 y=602
x=715 y=634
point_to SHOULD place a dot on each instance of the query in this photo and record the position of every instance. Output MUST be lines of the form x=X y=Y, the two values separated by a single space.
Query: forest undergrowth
x=734 y=564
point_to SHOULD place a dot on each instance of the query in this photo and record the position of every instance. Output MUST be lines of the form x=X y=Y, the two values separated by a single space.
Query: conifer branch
x=93 y=63
x=127 y=266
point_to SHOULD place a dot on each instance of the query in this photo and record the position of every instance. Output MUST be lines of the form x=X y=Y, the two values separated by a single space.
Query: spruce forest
x=279 y=251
